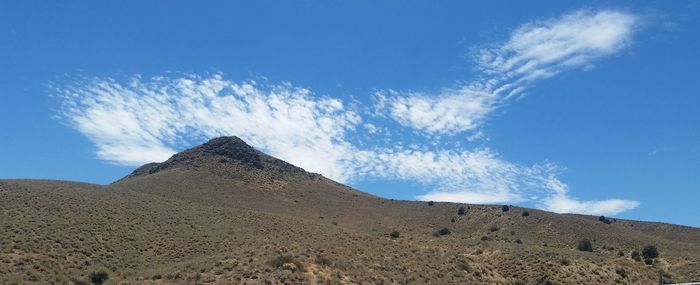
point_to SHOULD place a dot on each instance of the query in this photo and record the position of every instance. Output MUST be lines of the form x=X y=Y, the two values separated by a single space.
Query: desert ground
x=225 y=213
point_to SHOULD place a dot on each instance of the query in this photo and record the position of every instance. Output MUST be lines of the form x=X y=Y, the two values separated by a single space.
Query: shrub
x=453 y=220
x=636 y=256
x=585 y=245
x=323 y=260
x=565 y=262
x=525 y=213
x=394 y=234
x=649 y=261
x=650 y=251
x=505 y=208
x=620 y=253
x=98 y=277
x=442 y=232
x=430 y=203
x=494 y=228
x=461 y=211
x=285 y=262
x=518 y=241
x=621 y=272
x=604 y=220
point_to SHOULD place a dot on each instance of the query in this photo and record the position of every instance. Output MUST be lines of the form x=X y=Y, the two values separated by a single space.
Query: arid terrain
x=224 y=213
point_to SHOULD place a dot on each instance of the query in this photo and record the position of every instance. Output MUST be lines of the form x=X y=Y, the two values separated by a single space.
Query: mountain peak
x=231 y=147
x=221 y=150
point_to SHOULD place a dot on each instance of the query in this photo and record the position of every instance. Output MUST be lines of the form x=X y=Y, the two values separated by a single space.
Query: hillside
x=225 y=213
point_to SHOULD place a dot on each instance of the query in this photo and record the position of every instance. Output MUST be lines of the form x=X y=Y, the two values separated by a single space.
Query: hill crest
x=222 y=150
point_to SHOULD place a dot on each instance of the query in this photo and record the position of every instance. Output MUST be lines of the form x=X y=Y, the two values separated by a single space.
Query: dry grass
x=213 y=222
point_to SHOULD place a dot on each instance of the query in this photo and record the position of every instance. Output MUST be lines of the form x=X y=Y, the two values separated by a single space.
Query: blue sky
x=581 y=107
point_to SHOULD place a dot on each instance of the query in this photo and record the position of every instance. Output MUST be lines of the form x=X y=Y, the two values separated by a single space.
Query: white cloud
x=450 y=111
x=534 y=51
x=544 y=48
x=564 y=204
x=139 y=121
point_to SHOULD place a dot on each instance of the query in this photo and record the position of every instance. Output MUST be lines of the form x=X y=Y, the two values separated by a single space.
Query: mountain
x=226 y=213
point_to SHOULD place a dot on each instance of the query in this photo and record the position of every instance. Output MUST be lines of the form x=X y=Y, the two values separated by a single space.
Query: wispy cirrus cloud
x=535 y=50
x=138 y=122
x=135 y=121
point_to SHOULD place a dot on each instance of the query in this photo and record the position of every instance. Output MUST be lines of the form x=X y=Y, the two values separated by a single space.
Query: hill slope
x=225 y=213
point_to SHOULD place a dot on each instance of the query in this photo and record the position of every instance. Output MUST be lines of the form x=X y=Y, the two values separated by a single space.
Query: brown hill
x=224 y=213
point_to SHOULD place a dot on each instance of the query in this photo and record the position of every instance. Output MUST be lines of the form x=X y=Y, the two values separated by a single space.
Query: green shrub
x=650 y=251
x=585 y=245
x=98 y=277
x=620 y=253
x=442 y=232
x=394 y=234
x=505 y=208
x=461 y=211
x=604 y=220
x=649 y=261
x=525 y=213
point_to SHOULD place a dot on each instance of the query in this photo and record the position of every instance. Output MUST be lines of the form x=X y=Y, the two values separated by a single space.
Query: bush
x=636 y=256
x=525 y=213
x=323 y=260
x=430 y=203
x=442 y=232
x=394 y=234
x=621 y=272
x=98 y=277
x=285 y=262
x=505 y=208
x=620 y=253
x=649 y=261
x=604 y=220
x=650 y=251
x=461 y=211
x=585 y=245
x=494 y=228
